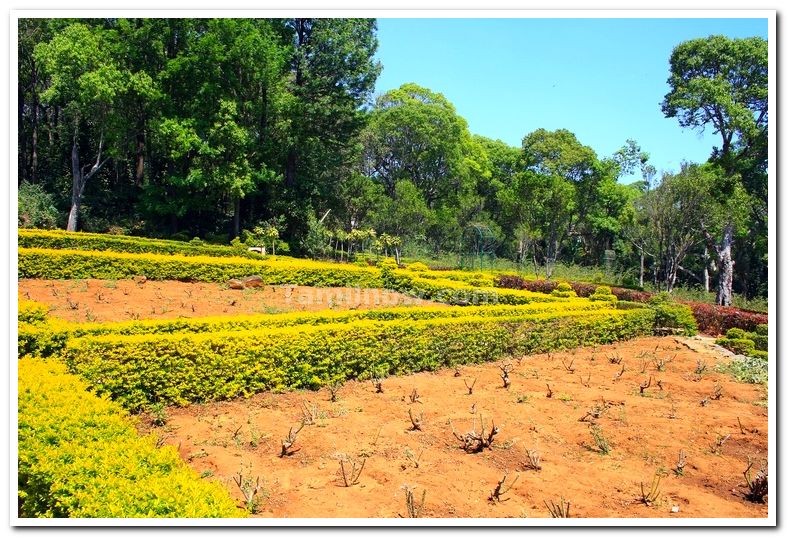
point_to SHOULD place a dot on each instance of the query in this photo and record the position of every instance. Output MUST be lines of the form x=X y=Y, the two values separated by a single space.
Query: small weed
x=158 y=414
x=501 y=489
x=681 y=464
x=206 y=474
x=564 y=397
x=614 y=358
x=653 y=493
x=470 y=386
x=352 y=472
x=250 y=490
x=522 y=398
x=758 y=487
x=505 y=370
x=701 y=368
x=533 y=460
x=560 y=510
x=287 y=443
x=602 y=444
x=417 y=422
x=719 y=443
x=411 y=456
x=717 y=393
x=414 y=396
x=414 y=509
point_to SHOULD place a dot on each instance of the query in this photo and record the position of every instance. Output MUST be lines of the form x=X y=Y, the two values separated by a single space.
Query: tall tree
x=723 y=82
x=415 y=134
x=333 y=72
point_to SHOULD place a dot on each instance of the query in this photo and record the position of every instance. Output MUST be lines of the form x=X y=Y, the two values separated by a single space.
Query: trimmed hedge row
x=188 y=368
x=50 y=338
x=69 y=240
x=80 y=456
x=456 y=292
x=754 y=344
x=76 y=264
x=715 y=320
x=30 y=311
x=711 y=319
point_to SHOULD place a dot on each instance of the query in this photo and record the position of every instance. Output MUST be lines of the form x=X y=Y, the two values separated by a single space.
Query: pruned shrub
x=671 y=316
x=80 y=457
x=183 y=368
x=417 y=267
x=564 y=290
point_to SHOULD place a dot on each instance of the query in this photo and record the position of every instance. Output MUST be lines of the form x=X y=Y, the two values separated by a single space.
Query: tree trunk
x=77 y=186
x=21 y=155
x=706 y=270
x=236 y=217
x=139 y=168
x=724 y=250
x=641 y=268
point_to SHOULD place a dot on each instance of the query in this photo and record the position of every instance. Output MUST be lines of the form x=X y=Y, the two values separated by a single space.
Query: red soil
x=646 y=433
x=122 y=300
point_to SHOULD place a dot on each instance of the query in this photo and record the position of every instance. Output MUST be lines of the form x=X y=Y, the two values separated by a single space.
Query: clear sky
x=602 y=79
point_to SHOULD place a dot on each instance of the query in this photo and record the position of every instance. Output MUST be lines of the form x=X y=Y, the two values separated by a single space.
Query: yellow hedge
x=49 y=339
x=80 y=456
x=186 y=368
x=78 y=264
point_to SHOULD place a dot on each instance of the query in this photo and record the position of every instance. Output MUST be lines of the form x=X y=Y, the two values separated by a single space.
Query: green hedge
x=74 y=264
x=67 y=240
x=739 y=341
x=80 y=456
x=188 y=368
x=49 y=339
x=672 y=315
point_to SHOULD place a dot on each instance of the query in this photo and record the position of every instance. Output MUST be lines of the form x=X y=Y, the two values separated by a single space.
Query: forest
x=236 y=129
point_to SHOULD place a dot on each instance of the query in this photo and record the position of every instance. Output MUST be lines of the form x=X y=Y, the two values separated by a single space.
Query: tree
x=87 y=82
x=332 y=75
x=724 y=82
x=415 y=134
x=674 y=213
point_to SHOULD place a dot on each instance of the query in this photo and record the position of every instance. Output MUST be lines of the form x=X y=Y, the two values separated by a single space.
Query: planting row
x=186 y=368
x=77 y=264
x=80 y=456
x=68 y=240
x=42 y=336
x=710 y=318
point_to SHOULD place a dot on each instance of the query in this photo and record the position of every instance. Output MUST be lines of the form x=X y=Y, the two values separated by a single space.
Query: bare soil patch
x=715 y=420
x=122 y=300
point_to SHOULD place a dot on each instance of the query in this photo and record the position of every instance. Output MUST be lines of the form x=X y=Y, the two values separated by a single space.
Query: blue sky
x=603 y=79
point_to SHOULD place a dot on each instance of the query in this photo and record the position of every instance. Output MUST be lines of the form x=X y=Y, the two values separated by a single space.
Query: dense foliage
x=216 y=127
x=80 y=456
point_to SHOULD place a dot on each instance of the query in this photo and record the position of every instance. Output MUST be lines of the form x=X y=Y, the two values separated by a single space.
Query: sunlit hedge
x=68 y=240
x=29 y=311
x=187 y=368
x=48 y=339
x=80 y=456
x=75 y=264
